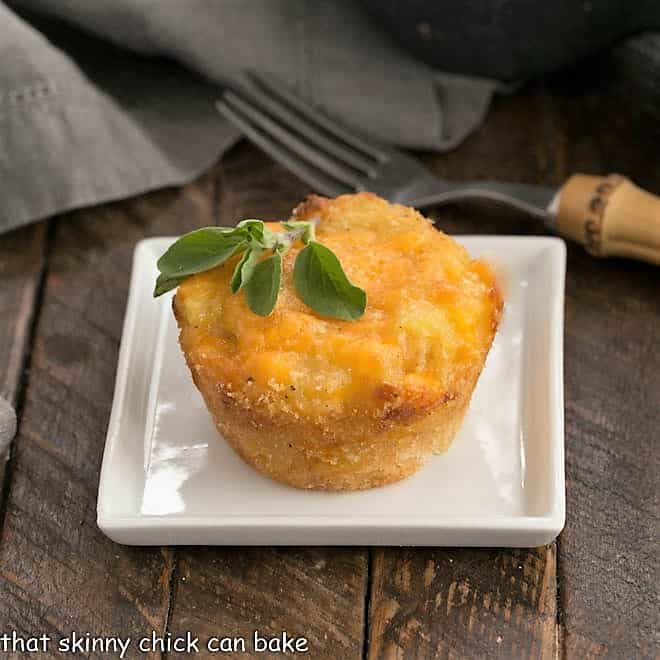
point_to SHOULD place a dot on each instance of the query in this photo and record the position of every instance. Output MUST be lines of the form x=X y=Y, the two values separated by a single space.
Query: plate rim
x=546 y=526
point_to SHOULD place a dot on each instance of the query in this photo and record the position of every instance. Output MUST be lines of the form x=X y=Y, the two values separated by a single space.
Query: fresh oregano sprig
x=318 y=277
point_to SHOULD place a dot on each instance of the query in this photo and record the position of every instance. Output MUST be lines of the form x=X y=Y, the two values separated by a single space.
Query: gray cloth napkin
x=103 y=100
x=7 y=429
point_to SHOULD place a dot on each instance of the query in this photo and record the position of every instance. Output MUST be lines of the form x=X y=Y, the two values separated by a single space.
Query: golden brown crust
x=321 y=403
x=354 y=455
x=310 y=207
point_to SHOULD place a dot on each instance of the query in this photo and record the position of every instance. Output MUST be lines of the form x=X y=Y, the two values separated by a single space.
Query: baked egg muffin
x=323 y=403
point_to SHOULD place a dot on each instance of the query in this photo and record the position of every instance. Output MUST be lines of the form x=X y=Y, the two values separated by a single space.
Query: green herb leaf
x=304 y=228
x=165 y=284
x=245 y=268
x=318 y=276
x=321 y=283
x=269 y=238
x=263 y=287
x=255 y=229
x=259 y=234
x=201 y=250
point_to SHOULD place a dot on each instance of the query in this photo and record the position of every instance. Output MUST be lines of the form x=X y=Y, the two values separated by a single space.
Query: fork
x=609 y=215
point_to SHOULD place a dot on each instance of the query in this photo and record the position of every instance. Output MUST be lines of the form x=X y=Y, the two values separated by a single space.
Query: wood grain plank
x=22 y=259
x=430 y=603
x=316 y=593
x=608 y=557
x=312 y=593
x=58 y=573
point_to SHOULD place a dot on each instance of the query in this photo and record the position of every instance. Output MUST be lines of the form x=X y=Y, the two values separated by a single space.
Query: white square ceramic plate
x=168 y=478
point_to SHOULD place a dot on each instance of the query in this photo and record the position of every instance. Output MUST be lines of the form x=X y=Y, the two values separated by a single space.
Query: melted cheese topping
x=430 y=319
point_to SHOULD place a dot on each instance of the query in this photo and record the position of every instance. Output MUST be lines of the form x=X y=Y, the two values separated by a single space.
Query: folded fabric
x=7 y=429
x=100 y=101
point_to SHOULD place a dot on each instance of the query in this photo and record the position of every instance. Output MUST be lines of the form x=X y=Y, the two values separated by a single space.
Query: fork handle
x=611 y=217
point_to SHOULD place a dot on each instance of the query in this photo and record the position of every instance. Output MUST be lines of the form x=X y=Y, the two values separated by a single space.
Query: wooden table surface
x=591 y=593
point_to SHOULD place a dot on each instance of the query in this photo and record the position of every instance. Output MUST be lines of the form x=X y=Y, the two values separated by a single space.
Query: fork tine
x=310 y=175
x=277 y=89
x=292 y=142
x=262 y=97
